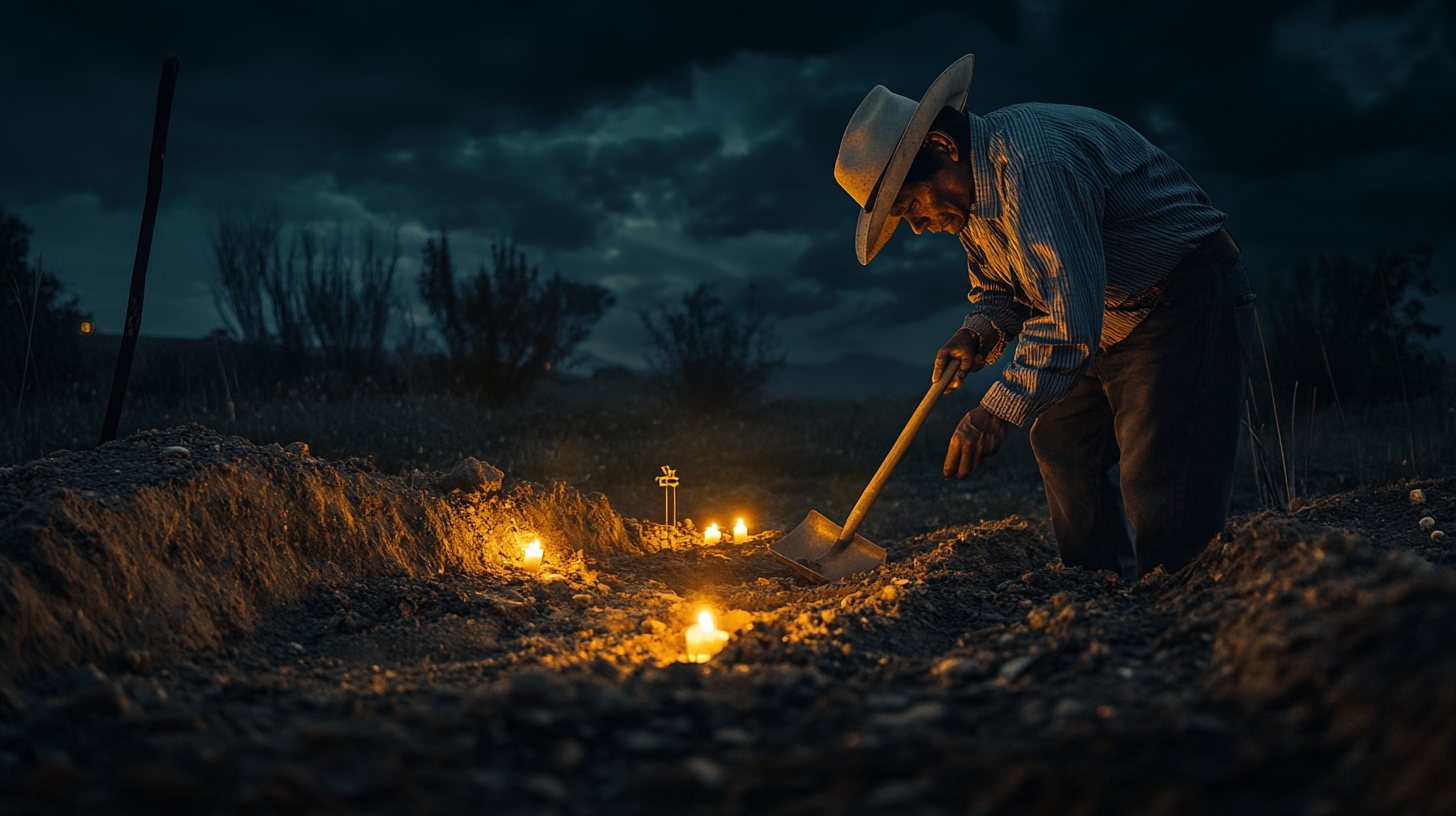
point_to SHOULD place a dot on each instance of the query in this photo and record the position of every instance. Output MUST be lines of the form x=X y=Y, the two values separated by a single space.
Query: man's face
x=941 y=203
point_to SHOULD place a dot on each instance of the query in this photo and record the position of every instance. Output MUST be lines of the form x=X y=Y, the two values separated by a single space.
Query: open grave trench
x=191 y=623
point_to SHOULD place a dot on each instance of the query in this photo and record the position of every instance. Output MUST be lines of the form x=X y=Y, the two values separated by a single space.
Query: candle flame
x=712 y=528
x=740 y=529
x=705 y=620
x=534 y=548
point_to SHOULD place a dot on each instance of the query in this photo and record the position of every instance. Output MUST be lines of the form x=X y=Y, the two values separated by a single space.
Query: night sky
x=648 y=149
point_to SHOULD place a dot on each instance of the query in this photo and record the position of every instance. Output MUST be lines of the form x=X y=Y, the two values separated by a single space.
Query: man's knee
x=1071 y=448
x=1037 y=435
x=1051 y=443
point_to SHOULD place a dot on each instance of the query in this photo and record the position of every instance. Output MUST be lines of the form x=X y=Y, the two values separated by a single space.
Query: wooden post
x=144 y=249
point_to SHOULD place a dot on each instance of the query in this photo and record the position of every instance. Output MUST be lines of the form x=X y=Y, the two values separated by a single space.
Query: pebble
x=512 y=609
x=1015 y=667
x=886 y=700
x=1437 y=535
x=918 y=715
x=176 y=452
x=708 y=773
x=958 y=669
x=547 y=787
x=1418 y=496
x=642 y=742
x=733 y=736
x=1427 y=523
x=652 y=626
x=1068 y=708
x=138 y=661
x=471 y=476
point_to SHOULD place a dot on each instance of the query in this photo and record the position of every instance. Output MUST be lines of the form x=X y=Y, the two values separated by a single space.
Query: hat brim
x=875 y=224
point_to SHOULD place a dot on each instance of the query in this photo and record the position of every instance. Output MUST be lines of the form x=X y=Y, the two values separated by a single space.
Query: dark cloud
x=1269 y=87
x=912 y=277
x=652 y=148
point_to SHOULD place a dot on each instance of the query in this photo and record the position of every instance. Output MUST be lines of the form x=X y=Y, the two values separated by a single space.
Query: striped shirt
x=1075 y=213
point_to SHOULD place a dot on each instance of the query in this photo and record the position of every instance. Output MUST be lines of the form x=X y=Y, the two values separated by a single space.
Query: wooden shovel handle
x=887 y=467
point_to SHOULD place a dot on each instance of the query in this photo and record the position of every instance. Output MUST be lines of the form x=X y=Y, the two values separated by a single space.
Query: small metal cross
x=668 y=482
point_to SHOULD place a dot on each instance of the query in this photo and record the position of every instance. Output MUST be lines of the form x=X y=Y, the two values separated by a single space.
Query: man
x=1127 y=302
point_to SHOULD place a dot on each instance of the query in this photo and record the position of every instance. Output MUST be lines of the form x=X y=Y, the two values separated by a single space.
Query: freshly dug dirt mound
x=1345 y=644
x=167 y=543
x=384 y=654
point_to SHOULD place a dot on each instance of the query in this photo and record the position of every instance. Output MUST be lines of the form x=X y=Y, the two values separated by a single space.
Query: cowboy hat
x=880 y=143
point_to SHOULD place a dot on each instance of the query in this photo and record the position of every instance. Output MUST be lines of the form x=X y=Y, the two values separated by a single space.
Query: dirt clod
x=254 y=630
x=471 y=476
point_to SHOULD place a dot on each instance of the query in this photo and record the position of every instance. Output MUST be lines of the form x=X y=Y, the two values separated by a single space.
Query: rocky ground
x=252 y=630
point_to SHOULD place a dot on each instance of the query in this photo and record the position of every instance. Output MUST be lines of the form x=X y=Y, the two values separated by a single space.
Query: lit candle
x=711 y=535
x=740 y=531
x=704 y=640
x=532 y=560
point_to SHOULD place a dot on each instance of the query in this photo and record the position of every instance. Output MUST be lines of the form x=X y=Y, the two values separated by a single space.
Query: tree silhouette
x=1364 y=317
x=329 y=295
x=40 y=327
x=710 y=354
x=505 y=327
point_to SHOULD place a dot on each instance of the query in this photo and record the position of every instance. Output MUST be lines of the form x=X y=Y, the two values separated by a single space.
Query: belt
x=1150 y=295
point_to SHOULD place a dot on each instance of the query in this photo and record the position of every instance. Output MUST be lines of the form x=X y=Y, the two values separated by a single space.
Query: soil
x=236 y=629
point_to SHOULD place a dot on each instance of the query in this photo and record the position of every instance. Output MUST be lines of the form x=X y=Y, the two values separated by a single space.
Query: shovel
x=821 y=550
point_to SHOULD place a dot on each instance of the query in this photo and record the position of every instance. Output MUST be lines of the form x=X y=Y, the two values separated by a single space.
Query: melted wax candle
x=532 y=560
x=711 y=535
x=704 y=640
x=740 y=531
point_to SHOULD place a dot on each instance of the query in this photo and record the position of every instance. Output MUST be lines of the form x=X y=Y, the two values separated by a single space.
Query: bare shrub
x=711 y=354
x=1353 y=326
x=349 y=295
x=308 y=300
x=505 y=327
x=243 y=249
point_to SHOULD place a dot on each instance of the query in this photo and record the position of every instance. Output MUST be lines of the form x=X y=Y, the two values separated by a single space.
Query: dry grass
x=769 y=463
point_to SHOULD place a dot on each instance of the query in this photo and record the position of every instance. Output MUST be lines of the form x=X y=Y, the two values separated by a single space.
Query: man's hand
x=964 y=347
x=979 y=435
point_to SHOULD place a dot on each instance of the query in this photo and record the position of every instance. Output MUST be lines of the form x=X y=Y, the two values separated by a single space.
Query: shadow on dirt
x=244 y=629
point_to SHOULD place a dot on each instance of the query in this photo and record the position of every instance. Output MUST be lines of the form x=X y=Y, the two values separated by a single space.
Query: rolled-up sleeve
x=1065 y=276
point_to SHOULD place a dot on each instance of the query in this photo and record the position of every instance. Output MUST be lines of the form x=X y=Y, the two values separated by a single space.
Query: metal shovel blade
x=809 y=549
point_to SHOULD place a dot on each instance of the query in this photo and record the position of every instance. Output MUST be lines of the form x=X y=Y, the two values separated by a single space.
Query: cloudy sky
x=647 y=148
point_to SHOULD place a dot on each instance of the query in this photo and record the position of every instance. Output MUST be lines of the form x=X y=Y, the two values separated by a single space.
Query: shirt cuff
x=987 y=331
x=1005 y=403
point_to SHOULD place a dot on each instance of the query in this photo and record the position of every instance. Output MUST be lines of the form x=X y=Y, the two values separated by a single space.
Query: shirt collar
x=988 y=199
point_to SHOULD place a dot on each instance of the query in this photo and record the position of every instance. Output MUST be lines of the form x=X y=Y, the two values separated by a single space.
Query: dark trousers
x=1164 y=406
